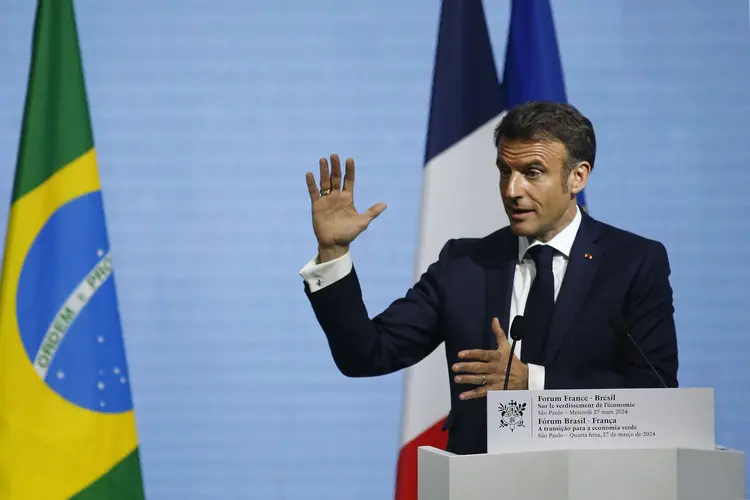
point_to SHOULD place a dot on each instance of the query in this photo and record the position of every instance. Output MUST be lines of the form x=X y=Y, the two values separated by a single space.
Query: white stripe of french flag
x=460 y=194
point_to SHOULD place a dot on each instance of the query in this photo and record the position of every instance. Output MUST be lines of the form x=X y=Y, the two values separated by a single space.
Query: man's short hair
x=546 y=120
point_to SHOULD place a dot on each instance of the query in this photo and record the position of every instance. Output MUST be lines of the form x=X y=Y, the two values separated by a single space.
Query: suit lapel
x=500 y=271
x=585 y=257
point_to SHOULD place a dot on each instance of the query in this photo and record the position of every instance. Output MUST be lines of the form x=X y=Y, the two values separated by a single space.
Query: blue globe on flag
x=67 y=309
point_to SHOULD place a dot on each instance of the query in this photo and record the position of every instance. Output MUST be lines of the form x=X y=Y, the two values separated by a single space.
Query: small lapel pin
x=589 y=256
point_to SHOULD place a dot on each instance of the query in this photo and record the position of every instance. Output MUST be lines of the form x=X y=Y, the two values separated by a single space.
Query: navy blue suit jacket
x=455 y=300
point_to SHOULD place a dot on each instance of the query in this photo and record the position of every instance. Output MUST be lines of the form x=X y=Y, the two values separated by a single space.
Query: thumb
x=371 y=213
x=499 y=333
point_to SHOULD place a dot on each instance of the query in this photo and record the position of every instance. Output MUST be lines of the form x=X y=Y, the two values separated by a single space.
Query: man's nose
x=514 y=186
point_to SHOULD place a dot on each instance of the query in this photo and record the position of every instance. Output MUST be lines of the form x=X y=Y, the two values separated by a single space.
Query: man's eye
x=505 y=172
x=533 y=173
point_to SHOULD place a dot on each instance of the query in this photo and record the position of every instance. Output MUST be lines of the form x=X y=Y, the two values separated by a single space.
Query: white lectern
x=591 y=445
x=667 y=474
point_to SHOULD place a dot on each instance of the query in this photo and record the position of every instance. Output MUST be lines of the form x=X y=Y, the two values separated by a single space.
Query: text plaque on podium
x=519 y=421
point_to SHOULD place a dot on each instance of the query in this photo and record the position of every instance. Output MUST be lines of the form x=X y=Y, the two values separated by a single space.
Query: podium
x=659 y=474
x=591 y=445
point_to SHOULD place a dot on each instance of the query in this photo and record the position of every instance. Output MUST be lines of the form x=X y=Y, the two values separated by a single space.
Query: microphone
x=517 y=331
x=621 y=327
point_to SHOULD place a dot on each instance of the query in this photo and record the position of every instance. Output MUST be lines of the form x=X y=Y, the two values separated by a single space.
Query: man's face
x=538 y=201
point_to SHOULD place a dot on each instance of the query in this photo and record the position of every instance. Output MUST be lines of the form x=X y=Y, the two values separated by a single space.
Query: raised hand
x=335 y=220
x=486 y=369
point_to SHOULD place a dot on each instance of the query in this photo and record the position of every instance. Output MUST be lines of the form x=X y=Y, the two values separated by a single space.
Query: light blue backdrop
x=207 y=116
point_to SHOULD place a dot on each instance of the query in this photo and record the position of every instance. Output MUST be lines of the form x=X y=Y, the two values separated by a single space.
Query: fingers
x=479 y=392
x=478 y=354
x=475 y=367
x=470 y=372
x=335 y=173
x=473 y=379
x=332 y=180
x=349 y=176
x=325 y=179
x=311 y=187
x=485 y=384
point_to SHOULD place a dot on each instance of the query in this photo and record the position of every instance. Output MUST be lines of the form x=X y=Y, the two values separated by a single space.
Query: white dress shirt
x=524 y=276
x=318 y=276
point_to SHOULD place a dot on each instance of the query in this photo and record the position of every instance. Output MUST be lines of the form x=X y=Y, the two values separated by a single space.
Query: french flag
x=460 y=195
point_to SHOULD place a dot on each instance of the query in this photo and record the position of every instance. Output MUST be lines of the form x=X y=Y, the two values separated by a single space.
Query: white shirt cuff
x=318 y=276
x=536 y=377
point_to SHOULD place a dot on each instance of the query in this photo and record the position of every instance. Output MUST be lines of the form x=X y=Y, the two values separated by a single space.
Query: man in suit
x=566 y=273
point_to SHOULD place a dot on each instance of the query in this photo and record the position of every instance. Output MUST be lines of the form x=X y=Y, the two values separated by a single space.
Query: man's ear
x=579 y=177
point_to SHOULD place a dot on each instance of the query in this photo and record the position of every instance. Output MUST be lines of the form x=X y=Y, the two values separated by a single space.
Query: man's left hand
x=487 y=368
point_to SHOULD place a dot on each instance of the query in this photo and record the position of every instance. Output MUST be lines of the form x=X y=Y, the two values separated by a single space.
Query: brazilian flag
x=67 y=425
